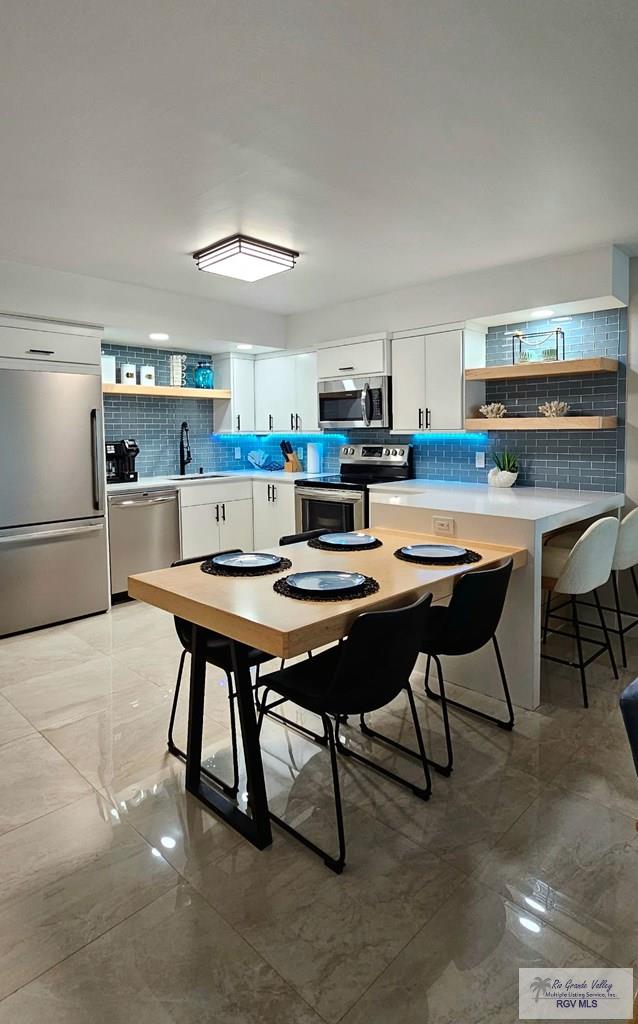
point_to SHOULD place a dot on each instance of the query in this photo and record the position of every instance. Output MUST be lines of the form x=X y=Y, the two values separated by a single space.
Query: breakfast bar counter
x=516 y=515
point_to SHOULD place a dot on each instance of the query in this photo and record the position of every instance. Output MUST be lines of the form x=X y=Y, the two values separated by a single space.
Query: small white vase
x=501 y=478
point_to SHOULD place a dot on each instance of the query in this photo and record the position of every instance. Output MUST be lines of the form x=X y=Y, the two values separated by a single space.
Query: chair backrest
x=629 y=708
x=589 y=562
x=183 y=627
x=377 y=658
x=626 y=553
x=475 y=609
x=296 y=538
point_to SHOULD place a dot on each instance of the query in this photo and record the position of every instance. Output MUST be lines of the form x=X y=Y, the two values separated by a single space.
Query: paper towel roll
x=314 y=454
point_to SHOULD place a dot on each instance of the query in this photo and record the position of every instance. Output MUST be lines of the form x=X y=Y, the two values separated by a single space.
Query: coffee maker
x=120 y=461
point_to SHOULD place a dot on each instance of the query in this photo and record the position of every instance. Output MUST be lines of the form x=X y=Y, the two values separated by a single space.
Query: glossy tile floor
x=123 y=900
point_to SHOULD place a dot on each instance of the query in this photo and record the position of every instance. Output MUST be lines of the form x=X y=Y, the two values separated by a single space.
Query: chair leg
x=443 y=769
x=302 y=729
x=548 y=605
x=581 y=664
x=233 y=735
x=503 y=723
x=335 y=864
x=171 y=746
x=621 y=634
x=603 y=626
x=420 y=754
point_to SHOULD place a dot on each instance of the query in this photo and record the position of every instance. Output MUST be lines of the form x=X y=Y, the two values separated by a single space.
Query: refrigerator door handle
x=95 y=461
x=29 y=538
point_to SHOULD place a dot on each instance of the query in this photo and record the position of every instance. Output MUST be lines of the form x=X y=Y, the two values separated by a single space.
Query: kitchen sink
x=199 y=476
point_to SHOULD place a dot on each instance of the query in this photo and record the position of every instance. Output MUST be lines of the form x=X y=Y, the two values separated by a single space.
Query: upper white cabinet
x=427 y=382
x=237 y=414
x=360 y=359
x=286 y=393
x=48 y=342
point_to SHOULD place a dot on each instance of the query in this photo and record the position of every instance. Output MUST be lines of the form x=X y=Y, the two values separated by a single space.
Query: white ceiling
x=390 y=142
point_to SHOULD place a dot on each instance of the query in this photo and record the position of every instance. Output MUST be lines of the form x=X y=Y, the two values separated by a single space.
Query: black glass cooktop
x=354 y=483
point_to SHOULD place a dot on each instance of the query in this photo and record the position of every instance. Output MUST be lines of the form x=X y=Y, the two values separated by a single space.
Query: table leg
x=257 y=827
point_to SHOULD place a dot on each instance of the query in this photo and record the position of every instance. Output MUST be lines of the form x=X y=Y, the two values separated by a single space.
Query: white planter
x=501 y=478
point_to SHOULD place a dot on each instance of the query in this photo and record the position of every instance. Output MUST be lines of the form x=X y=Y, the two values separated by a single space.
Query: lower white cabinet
x=274 y=512
x=207 y=528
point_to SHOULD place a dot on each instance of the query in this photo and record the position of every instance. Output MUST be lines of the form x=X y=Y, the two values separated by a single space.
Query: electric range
x=341 y=502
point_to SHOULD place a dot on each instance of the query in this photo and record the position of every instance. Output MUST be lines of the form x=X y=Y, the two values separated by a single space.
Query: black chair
x=629 y=709
x=296 y=538
x=361 y=675
x=467 y=623
x=218 y=653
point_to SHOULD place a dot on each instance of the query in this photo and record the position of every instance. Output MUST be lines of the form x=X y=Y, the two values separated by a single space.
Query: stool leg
x=623 y=651
x=603 y=626
x=581 y=665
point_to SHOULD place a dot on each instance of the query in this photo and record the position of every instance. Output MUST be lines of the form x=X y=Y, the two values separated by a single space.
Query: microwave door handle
x=365 y=395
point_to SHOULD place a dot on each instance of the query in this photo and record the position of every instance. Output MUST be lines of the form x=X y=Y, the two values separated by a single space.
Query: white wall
x=599 y=274
x=191 y=321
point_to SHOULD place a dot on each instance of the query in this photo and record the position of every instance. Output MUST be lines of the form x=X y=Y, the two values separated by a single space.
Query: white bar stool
x=581 y=570
x=625 y=558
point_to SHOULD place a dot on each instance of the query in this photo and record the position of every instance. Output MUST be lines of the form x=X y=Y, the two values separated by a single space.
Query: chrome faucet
x=184 y=449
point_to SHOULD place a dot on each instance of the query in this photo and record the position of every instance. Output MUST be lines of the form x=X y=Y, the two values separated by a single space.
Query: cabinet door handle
x=274 y=493
x=340 y=368
x=269 y=486
x=292 y=421
x=420 y=418
x=428 y=419
x=238 y=421
x=270 y=421
x=297 y=426
x=40 y=351
x=216 y=513
x=224 y=512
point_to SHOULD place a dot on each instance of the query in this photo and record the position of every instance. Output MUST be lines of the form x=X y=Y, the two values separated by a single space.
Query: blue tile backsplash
x=582 y=460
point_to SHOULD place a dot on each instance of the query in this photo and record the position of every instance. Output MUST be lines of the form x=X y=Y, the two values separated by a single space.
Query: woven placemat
x=441 y=563
x=223 y=570
x=322 y=546
x=369 y=586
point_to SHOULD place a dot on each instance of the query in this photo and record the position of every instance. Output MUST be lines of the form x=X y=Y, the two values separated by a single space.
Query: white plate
x=325 y=579
x=347 y=540
x=246 y=560
x=434 y=552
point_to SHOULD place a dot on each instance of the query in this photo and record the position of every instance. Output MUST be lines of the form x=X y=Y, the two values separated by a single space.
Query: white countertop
x=531 y=503
x=154 y=483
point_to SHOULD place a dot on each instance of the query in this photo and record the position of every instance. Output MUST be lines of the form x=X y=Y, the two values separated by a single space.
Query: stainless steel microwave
x=354 y=402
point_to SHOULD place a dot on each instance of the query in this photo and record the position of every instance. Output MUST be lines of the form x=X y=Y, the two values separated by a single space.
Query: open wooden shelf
x=543 y=423
x=164 y=392
x=559 y=368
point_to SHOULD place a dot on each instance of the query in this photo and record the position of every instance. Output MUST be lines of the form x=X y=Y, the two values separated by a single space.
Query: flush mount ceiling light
x=243 y=348
x=159 y=336
x=542 y=314
x=245 y=258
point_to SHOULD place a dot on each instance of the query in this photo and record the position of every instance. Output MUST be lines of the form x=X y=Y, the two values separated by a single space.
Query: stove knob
x=386 y=451
x=401 y=451
x=394 y=451
x=350 y=451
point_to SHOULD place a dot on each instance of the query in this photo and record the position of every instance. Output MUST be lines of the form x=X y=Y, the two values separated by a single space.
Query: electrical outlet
x=300 y=454
x=443 y=526
x=238 y=453
x=479 y=460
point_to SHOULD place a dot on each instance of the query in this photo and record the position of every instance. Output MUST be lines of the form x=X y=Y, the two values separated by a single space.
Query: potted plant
x=505 y=469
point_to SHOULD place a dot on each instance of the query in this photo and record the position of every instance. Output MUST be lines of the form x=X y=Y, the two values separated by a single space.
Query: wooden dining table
x=251 y=614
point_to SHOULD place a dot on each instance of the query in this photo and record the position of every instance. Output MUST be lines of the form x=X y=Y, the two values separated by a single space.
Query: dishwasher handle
x=143 y=502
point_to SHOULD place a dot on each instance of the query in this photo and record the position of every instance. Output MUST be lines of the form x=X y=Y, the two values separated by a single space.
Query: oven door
x=329 y=509
x=354 y=402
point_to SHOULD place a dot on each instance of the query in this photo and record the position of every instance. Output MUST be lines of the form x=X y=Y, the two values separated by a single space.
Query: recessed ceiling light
x=542 y=313
x=245 y=258
x=560 y=319
x=244 y=348
x=159 y=336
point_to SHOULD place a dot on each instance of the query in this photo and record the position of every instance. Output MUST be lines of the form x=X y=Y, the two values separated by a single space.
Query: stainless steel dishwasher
x=143 y=533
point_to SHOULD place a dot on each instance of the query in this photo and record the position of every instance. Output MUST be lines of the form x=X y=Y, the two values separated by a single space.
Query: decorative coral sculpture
x=554 y=409
x=493 y=411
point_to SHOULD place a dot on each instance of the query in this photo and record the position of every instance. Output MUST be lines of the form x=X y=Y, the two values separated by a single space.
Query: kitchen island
x=518 y=515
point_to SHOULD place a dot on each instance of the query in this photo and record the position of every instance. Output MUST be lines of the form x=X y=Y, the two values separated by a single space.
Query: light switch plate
x=443 y=526
x=238 y=453
x=479 y=460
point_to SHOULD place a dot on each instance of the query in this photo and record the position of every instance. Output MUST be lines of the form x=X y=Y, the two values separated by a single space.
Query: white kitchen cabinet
x=363 y=359
x=238 y=413
x=274 y=512
x=216 y=516
x=236 y=525
x=286 y=393
x=427 y=382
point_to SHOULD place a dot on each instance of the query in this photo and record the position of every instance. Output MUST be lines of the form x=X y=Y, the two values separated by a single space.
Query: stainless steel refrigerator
x=53 y=538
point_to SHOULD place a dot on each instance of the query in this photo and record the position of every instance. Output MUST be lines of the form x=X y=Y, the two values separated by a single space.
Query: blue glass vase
x=203 y=376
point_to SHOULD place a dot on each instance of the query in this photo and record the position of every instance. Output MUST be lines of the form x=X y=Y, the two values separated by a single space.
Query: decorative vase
x=501 y=478
x=203 y=376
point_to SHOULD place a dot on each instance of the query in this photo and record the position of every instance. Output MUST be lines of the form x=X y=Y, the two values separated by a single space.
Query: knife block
x=293 y=464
